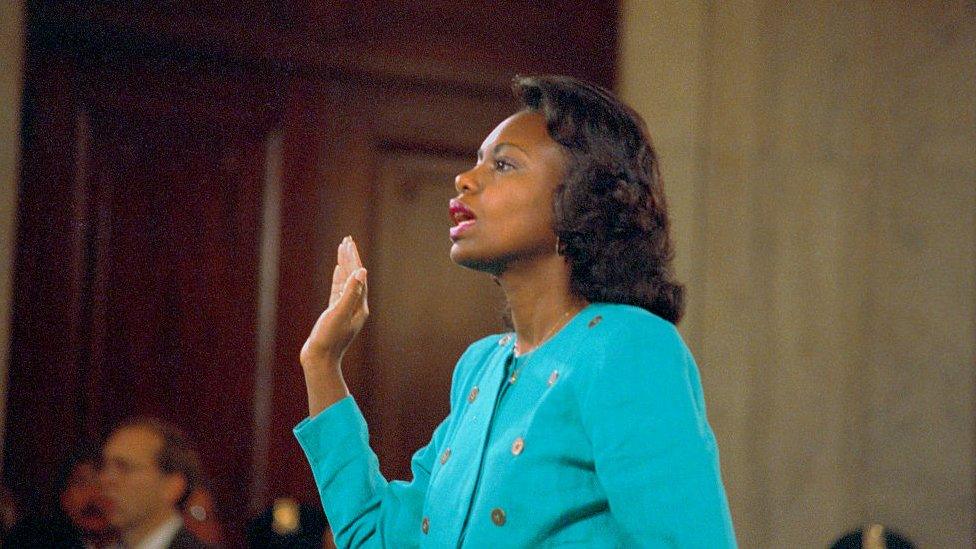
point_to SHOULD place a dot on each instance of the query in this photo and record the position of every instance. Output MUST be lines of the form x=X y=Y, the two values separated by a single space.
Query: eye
x=503 y=165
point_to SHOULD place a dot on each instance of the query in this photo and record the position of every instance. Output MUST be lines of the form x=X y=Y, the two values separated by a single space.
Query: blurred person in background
x=873 y=536
x=80 y=519
x=149 y=470
x=9 y=512
x=200 y=517
x=288 y=524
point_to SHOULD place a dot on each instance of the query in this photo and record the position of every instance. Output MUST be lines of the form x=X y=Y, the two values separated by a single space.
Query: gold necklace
x=563 y=320
x=559 y=323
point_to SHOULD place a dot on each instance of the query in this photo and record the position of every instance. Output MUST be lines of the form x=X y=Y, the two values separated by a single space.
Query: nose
x=464 y=182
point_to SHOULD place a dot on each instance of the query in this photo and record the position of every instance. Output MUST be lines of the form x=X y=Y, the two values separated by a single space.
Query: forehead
x=525 y=128
x=137 y=444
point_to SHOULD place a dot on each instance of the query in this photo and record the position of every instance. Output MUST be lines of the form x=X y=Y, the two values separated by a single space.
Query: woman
x=586 y=425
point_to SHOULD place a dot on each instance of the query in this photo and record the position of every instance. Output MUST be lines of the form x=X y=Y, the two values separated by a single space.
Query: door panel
x=151 y=139
x=178 y=273
x=137 y=286
x=425 y=309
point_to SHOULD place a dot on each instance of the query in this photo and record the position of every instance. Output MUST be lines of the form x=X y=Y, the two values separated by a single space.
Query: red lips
x=462 y=217
x=459 y=212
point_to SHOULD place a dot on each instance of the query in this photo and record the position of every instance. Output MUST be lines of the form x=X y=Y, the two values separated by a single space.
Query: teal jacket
x=598 y=438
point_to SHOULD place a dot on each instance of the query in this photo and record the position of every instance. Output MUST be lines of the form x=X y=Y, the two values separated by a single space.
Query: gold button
x=425 y=525
x=596 y=320
x=445 y=455
x=498 y=516
x=511 y=380
x=473 y=394
x=517 y=446
x=505 y=340
x=553 y=377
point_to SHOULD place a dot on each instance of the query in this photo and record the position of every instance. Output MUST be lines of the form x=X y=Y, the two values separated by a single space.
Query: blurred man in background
x=149 y=469
x=79 y=521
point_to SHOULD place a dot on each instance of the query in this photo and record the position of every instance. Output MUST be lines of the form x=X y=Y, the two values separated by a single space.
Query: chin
x=473 y=261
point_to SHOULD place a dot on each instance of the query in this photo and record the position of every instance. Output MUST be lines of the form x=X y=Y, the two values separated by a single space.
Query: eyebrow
x=499 y=147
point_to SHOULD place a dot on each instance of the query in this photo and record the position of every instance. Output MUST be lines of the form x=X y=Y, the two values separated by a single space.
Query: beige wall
x=11 y=75
x=821 y=164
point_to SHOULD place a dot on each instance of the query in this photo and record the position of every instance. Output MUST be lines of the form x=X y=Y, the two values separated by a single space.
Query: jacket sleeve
x=363 y=508
x=654 y=452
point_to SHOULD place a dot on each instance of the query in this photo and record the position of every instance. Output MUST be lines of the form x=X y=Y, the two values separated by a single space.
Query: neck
x=540 y=300
x=138 y=533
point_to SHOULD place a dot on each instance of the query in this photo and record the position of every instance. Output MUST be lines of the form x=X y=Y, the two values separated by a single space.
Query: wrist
x=325 y=386
x=321 y=365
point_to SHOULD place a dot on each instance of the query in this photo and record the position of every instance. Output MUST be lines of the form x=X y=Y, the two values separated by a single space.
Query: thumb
x=353 y=292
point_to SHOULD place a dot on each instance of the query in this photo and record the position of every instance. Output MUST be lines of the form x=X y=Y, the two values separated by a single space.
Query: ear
x=174 y=484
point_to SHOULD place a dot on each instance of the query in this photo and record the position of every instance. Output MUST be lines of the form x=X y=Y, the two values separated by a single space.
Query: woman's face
x=503 y=212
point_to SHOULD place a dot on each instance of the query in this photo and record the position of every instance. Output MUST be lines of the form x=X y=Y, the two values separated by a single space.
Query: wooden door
x=378 y=163
x=425 y=309
x=187 y=174
x=137 y=278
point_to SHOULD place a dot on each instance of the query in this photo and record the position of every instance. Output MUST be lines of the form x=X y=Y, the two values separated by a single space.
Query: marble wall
x=820 y=159
x=11 y=77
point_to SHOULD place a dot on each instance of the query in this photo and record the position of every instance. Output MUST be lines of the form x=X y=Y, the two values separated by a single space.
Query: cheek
x=533 y=216
x=521 y=227
x=132 y=488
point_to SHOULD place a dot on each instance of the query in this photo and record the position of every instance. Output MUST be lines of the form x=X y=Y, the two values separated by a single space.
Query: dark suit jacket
x=43 y=533
x=185 y=540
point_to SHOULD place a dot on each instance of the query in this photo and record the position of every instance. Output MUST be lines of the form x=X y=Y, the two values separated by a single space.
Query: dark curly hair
x=610 y=213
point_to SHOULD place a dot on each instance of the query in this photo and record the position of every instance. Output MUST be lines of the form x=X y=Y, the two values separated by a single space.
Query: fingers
x=348 y=263
x=342 y=259
x=361 y=275
x=357 y=262
x=352 y=298
x=347 y=257
x=337 y=282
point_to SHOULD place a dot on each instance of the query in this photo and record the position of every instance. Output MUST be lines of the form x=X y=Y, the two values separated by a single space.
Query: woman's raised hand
x=336 y=327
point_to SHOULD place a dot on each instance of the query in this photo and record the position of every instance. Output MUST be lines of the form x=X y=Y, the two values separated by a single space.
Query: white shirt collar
x=161 y=537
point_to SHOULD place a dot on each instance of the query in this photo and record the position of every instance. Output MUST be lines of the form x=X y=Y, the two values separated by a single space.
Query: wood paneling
x=427 y=308
x=335 y=182
x=137 y=264
x=154 y=136
x=48 y=280
x=470 y=45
